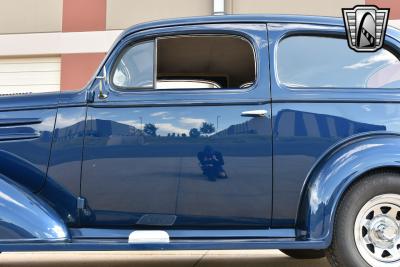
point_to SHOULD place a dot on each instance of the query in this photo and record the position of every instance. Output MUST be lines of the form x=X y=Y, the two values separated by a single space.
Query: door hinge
x=90 y=96
x=81 y=203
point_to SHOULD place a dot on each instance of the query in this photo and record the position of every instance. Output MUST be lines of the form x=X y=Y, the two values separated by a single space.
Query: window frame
x=216 y=85
x=121 y=55
x=280 y=93
x=155 y=39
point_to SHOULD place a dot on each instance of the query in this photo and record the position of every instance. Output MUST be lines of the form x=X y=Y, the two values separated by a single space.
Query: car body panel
x=336 y=171
x=309 y=121
x=302 y=135
x=165 y=176
x=29 y=101
x=210 y=244
x=69 y=153
x=62 y=187
x=166 y=186
x=26 y=218
x=25 y=142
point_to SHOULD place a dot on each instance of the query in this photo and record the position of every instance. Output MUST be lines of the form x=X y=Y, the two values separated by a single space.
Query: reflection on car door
x=185 y=159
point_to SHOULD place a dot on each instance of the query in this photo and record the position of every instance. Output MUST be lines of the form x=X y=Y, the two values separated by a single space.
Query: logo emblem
x=365 y=27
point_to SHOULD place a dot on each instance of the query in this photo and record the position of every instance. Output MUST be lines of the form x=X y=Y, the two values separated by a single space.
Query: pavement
x=243 y=258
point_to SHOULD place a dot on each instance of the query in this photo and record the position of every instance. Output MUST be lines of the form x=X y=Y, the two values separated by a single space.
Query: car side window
x=211 y=62
x=135 y=68
x=328 y=62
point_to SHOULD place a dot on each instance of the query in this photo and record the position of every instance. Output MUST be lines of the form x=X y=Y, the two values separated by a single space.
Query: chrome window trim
x=214 y=84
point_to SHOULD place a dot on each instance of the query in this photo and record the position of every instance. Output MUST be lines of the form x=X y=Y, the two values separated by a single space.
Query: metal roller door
x=29 y=75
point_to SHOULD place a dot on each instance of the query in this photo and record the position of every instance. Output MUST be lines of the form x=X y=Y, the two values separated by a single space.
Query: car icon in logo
x=365 y=27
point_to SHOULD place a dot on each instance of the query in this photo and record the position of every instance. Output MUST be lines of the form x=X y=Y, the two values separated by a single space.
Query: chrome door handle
x=255 y=113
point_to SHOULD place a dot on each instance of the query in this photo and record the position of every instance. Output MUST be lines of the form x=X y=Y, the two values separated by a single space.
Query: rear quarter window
x=328 y=62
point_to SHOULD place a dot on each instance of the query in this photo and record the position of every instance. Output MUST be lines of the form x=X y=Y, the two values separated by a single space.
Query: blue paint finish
x=334 y=173
x=25 y=145
x=115 y=245
x=64 y=172
x=24 y=217
x=73 y=98
x=89 y=233
x=164 y=174
x=285 y=173
x=164 y=178
x=66 y=153
x=19 y=121
x=29 y=101
x=303 y=132
x=307 y=124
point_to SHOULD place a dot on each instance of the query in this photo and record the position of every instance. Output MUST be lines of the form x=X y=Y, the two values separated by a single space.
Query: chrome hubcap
x=377 y=231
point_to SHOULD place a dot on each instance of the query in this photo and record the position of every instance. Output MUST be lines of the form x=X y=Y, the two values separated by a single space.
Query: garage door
x=29 y=75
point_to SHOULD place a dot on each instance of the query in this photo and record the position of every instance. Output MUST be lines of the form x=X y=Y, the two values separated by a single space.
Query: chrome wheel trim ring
x=377 y=231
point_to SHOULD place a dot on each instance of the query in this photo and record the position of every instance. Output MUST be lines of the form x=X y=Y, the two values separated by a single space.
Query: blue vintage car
x=224 y=132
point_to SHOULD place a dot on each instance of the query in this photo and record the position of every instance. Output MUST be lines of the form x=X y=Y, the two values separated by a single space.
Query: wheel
x=303 y=254
x=367 y=224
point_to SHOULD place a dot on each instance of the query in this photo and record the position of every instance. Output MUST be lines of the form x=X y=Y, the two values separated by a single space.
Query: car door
x=177 y=149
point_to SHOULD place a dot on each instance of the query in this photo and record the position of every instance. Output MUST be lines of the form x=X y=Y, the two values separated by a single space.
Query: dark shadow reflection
x=211 y=163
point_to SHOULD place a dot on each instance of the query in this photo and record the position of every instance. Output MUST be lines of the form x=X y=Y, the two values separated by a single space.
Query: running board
x=200 y=244
x=96 y=233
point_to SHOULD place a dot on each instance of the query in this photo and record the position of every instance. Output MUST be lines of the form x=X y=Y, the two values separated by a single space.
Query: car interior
x=224 y=61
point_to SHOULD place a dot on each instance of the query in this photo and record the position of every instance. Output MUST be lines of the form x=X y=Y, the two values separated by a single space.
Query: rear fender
x=334 y=173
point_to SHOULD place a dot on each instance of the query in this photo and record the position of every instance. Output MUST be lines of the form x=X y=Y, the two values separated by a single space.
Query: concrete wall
x=125 y=13
x=304 y=7
x=23 y=16
x=79 y=32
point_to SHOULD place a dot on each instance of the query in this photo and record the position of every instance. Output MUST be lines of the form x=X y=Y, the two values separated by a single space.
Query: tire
x=303 y=254
x=367 y=222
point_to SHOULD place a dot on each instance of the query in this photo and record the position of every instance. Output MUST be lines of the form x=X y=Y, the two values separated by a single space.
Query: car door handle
x=255 y=113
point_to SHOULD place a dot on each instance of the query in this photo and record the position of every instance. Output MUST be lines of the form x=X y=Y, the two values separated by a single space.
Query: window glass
x=327 y=62
x=135 y=69
x=210 y=62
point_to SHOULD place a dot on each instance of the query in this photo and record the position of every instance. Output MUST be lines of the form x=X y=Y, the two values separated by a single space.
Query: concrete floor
x=253 y=258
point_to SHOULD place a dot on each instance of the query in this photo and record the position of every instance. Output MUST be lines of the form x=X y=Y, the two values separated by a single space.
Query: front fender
x=24 y=217
x=21 y=171
x=334 y=173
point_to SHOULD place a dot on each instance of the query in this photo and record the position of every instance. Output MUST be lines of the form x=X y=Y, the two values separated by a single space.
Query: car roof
x=316 y=20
